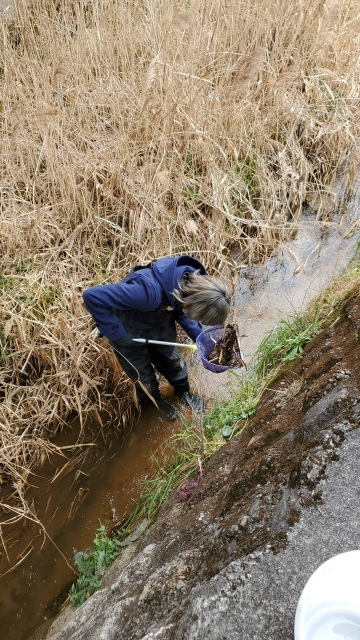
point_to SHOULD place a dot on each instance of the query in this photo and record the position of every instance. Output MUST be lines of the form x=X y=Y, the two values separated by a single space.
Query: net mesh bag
x=205 y=343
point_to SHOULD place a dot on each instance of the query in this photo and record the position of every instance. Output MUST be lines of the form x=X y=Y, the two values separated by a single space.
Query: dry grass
x=135 y=130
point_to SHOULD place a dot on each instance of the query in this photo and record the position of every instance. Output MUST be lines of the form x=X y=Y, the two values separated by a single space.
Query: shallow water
x=107 y=481
x=102 y=487
x=290 y=279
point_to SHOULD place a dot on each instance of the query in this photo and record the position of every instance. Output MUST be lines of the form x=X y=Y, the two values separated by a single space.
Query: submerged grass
x=135 y=130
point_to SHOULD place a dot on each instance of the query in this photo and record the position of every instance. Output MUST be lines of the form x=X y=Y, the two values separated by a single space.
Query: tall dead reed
x=131 y=130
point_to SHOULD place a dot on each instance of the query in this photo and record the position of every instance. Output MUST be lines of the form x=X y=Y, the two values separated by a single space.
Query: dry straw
x=131 y=130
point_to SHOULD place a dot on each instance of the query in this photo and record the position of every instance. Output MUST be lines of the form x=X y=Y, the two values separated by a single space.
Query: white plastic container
x=329 y=606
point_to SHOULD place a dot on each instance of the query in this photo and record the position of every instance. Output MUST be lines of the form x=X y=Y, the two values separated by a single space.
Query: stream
x=105 y=481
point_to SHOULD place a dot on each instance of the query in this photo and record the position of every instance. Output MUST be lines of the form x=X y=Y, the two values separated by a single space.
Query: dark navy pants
x=139 y=361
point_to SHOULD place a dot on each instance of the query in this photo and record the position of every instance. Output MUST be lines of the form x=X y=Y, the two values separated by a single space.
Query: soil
x=226 y=351
x=253 y=493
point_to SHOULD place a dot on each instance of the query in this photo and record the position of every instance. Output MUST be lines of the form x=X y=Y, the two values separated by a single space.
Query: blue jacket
x=143 y=291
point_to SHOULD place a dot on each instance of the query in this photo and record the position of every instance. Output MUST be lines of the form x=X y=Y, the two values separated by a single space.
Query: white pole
x=169 y=344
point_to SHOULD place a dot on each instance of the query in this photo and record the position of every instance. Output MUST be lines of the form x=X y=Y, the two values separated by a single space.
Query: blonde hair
x=203 y=298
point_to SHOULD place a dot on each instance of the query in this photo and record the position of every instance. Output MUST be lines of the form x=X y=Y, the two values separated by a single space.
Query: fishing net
x=217 y=342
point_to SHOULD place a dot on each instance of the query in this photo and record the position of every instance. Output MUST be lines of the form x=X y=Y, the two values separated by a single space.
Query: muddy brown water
x=101 y=487
x=107 y=480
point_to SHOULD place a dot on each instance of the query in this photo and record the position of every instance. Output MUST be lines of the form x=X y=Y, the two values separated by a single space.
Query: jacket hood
x=169 y=271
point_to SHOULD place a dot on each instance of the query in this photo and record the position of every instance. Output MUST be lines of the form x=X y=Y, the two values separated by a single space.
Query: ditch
x=103 y=482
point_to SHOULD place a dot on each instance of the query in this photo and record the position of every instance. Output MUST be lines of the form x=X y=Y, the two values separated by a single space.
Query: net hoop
x=205 y=343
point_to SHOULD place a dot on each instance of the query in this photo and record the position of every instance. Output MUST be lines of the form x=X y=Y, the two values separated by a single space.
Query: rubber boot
x=167 y=409
x=194 y=401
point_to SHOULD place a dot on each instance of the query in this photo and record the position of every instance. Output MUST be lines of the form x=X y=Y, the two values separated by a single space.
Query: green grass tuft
x=92 y=564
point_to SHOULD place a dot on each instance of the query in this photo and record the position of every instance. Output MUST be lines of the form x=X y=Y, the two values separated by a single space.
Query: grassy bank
x=135 y=130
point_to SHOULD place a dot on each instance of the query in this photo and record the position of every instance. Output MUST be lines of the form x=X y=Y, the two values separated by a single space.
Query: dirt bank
x=256 y=493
